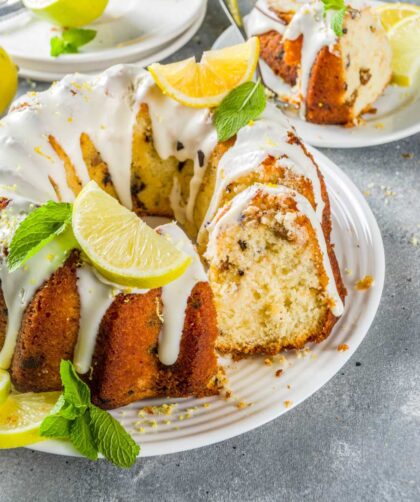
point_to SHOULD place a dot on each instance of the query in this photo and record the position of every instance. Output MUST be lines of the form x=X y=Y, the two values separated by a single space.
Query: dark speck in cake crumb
x=242 y=244
x=201 y=156
x=179 y=146
x=181 y=165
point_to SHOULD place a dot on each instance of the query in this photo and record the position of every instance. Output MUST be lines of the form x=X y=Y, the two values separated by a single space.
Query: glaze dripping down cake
x=256 y=204
x=333 y=78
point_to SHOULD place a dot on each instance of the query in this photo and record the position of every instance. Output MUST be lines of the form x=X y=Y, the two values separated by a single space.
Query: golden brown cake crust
x=48 y=333
x=126 y=367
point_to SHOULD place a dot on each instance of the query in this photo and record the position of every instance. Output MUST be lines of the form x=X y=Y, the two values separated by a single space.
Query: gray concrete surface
x=357 y=439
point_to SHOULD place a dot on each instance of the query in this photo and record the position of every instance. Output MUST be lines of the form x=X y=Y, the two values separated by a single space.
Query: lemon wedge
x=205 y=84
x=121 y=245
x=391 y=14
x=67 y=13
x=8 y=80
x=404 y=38
x=21 y=416
x=4 y=385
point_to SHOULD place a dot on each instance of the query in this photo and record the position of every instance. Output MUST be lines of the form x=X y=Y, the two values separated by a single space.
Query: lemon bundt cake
x=333 y=78
x=256 y=203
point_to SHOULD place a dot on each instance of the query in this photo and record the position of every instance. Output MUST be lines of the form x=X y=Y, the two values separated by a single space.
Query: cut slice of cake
x=274 y=276
x=334 y=72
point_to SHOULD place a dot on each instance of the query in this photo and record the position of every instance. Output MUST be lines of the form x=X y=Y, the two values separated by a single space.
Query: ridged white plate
x=162 y=53
x=128 y=30
x=200 y=422
x=397 y=112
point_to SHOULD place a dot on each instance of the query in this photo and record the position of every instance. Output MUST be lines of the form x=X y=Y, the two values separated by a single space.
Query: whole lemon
x=8 y=80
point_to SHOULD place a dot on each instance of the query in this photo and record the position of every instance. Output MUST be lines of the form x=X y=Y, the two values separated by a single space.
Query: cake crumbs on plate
x=279 y=373
x=242 y=404
x=364 y=283
x=343 y=347
x=268 y=361
x=288 y=403
x=407 y=155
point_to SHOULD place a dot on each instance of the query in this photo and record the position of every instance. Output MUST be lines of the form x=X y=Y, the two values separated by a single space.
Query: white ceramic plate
x=162 y=53
x=397 y=116
x=127 y=31
x=359 y=248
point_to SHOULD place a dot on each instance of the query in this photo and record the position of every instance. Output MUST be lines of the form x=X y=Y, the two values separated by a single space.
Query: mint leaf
x=337 y=20
x=338 y=8
x=333 y=4
x=76 y=392
x=112 y=440
x=82 y=438
x=244 y=103
x=55 y=427
x=37 y=230
x=90 y=429
x=70 y=41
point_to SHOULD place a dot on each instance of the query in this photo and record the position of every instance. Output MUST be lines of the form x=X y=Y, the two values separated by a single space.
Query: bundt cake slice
x=274 y=276
x=333 y=76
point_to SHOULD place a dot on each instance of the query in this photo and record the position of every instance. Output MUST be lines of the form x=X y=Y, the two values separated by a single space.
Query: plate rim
x=163 y=53
x=251 y=422
x=104 y=55
x=348 y=141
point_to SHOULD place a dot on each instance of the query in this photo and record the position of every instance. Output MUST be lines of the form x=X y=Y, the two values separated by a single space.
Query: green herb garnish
x=338 y=8
x=243 y=104
x=70 y=41
x=37 y=230
x=89 y=429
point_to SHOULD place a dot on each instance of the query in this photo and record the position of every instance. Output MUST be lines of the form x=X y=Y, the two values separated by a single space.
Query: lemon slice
x=120 y=245
x=405 y=42
x=391 y=14
x=21 y=416
x=8 y=80
x=67 y=13
x=206 y=83
x=4 y=385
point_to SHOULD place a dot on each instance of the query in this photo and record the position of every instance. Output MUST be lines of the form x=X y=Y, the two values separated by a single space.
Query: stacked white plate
x=140 y=31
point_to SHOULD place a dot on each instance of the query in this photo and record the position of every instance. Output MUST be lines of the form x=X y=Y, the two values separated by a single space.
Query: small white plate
x=127 y=31
x=397 y=115
x=200 y=422
x=162 y=53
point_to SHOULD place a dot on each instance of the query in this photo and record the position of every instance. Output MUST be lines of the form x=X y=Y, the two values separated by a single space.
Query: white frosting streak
x=266 y=136
x=182 y=132
x=175 y=296
x=20 y=286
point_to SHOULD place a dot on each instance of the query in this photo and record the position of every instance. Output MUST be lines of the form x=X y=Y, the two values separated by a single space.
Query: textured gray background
x=357 y=439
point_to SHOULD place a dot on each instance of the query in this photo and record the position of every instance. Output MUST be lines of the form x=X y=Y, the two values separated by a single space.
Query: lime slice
x=405 y=42
x=21 y=416
x=4 y=385
x=120 y=245
x=8 y=80
x=391 y=14
x=67 y=13
x=206 y=83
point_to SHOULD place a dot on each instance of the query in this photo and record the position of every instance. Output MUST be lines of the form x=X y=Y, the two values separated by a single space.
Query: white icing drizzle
x=262 y=20
x=266 y=136
x=181 y=132
x=317 y=33
x=95 y=299
x=175 y=296
x=20 y=286
x=225 y=218
x=101 y=107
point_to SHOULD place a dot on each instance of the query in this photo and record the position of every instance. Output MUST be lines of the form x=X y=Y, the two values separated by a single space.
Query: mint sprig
x=90 y=429
x=37 y=230
x=243 y=104
x=70 y=41
x=337 y=17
